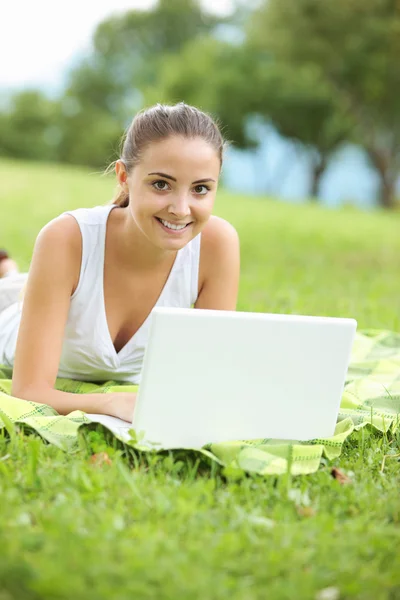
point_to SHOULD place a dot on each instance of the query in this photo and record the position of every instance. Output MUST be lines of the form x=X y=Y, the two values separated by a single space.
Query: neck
x=133 y=249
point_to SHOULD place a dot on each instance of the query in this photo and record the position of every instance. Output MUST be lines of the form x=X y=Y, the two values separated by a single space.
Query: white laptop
x=216 y=376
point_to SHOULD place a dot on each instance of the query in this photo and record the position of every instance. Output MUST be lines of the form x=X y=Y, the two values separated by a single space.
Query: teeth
x=171 y=225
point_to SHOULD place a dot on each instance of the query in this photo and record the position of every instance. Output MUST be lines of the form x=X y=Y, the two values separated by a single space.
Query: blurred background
x=308 y=92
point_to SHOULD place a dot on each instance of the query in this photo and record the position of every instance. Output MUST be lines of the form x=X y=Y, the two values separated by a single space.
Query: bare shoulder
x=219 y=234
x=62 y=230
x=219 y=239
x=62 y=237
x=219 y=265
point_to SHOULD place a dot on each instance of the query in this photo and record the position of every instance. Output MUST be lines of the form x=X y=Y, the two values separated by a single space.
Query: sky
x=40 y=40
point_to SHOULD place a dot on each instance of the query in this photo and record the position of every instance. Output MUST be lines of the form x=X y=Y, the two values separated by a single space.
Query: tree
x=104 y=90
x=302 y=109
x=210 y=74
x=237 y=80
x=29 y=127
x=354 y=47
x=90 y=118
x=132 y=42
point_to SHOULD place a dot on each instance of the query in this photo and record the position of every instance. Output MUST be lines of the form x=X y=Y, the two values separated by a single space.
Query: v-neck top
x=88 y=352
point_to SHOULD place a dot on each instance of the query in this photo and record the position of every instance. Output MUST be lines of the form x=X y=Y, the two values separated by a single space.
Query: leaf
x=99 y=459
x=305 y=511
x=340 y=476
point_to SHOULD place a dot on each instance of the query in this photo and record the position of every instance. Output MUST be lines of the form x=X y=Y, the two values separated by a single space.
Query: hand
x=121 y=405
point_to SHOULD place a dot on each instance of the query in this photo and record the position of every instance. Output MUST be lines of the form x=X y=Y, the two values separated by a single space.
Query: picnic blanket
x=371 y=397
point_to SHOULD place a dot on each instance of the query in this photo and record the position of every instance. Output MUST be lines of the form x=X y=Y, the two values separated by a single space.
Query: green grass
x=172 y=528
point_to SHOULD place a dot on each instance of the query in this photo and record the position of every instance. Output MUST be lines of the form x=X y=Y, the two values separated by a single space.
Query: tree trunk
x=387 y=195
x=318 y=169
x=384 y=164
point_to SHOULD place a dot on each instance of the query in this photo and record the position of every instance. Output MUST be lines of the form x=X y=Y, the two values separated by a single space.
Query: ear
x=122 y=175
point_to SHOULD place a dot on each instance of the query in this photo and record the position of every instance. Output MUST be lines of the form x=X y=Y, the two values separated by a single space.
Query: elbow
x=22 y=393
x=28 y=392
x=17 y=391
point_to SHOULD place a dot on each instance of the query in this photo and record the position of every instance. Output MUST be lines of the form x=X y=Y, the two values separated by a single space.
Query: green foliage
x=127 y=49
x=209 y=74
x=237 y=80
x=90 y=527
x=354 y=47
x=301 y=107
x=29 y=127
x=103 y=92
x=322 y=73
x=91 y=136
x=132 y=43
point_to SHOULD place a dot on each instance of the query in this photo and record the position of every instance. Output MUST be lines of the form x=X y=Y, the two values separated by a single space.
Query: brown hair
x=158 y=123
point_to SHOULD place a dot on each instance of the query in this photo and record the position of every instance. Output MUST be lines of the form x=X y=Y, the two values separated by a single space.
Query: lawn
x=75 y=527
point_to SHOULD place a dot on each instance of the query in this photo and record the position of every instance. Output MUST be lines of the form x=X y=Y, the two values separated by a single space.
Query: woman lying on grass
x=97 y=273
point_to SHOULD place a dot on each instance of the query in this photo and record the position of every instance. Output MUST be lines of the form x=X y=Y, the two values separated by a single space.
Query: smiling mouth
x=172 y=229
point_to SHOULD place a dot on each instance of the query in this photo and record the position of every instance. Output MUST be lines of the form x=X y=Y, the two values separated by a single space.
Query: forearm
x=66 y=402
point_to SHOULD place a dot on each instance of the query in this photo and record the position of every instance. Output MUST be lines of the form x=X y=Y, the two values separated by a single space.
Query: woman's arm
x=53 y=273
x=219 y=266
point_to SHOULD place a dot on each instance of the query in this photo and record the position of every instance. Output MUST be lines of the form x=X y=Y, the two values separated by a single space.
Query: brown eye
x=201 y=189
x=160 y=185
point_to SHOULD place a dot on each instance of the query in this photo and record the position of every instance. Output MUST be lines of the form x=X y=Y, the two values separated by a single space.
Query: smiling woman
x=178 y=196
x=97 y=273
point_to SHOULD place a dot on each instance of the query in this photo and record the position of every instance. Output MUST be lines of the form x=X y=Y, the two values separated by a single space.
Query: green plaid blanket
x=371 y=397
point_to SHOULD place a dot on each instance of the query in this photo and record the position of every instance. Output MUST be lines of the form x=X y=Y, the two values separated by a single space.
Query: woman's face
x=173 y=185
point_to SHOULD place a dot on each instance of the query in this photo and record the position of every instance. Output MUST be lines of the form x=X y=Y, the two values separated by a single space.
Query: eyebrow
x=173 y=178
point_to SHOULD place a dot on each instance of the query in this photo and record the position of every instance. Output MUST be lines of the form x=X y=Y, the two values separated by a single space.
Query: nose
x=180 y=206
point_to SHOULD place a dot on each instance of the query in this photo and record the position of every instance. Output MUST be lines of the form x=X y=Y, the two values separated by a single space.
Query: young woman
x=97 y=273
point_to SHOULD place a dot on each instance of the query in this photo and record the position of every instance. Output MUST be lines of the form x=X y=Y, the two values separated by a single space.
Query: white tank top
x=88 y=353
